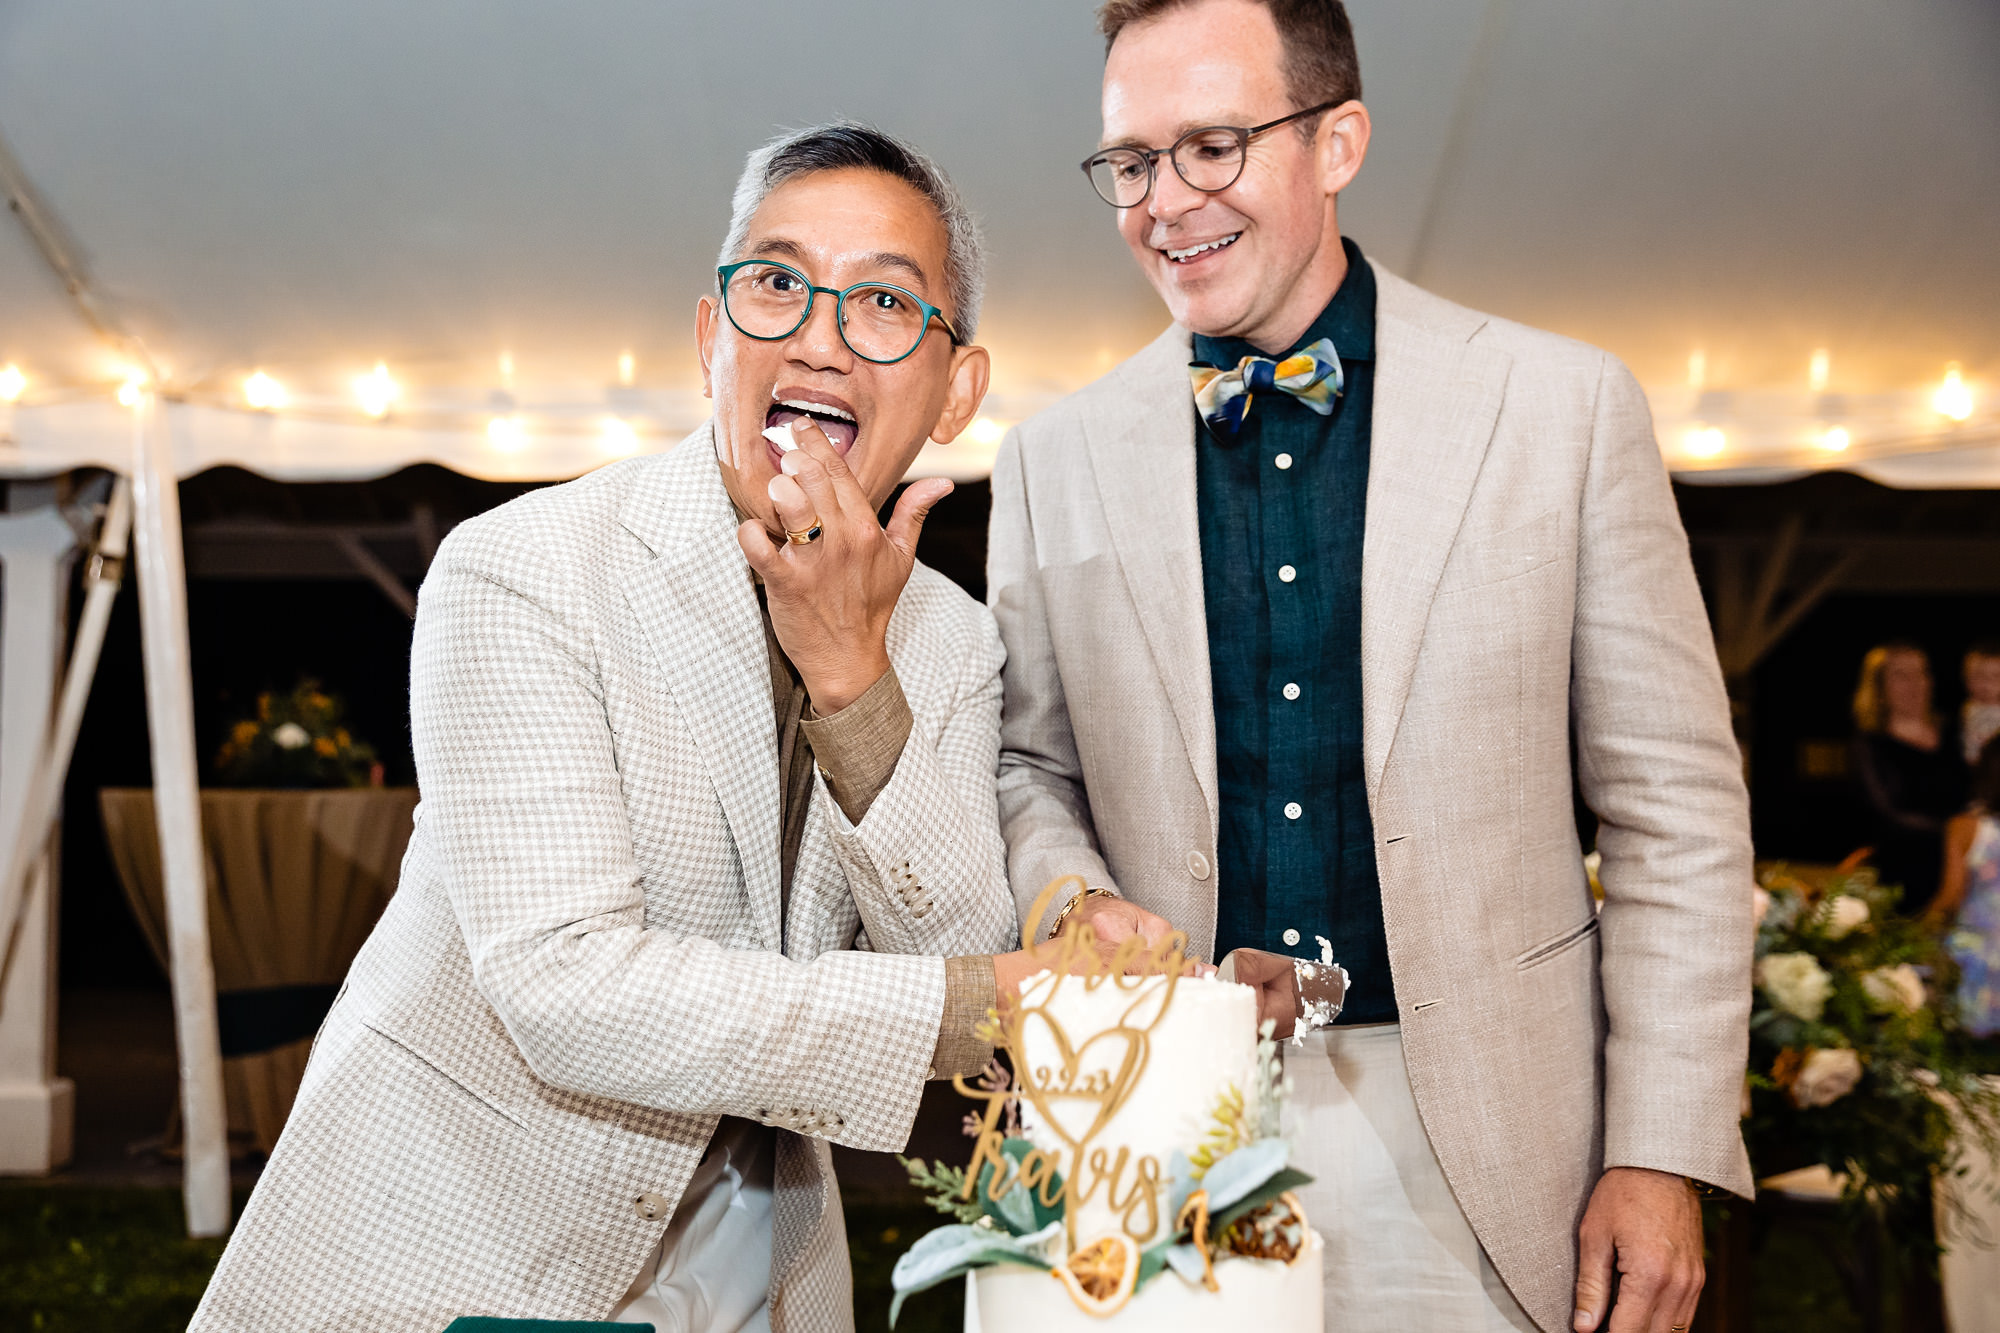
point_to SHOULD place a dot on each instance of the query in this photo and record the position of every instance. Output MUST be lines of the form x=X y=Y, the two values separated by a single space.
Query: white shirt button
x=1286 y=573
x=1293 y=809
x=1291 y=936
x=1291 y=689
x=1283 y=461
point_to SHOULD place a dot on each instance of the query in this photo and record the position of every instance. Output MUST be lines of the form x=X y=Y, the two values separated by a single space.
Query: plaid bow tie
x=1311 y=375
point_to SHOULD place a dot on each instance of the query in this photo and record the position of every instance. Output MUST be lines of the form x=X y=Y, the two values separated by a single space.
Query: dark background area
x=264 y=614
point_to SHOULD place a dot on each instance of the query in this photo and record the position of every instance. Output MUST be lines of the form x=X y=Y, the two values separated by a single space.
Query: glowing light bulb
x=628 y=368
x=1817 y=372
x=506 y=365
x=506 y=434
x=377 y=391
x=1836 y=440
x=134 y=388
x=264 y=393
x=1697 y=369
x=12 y=384
x=1953 y=399
x=617 y=438
x=986 y=432
x=1704 y=442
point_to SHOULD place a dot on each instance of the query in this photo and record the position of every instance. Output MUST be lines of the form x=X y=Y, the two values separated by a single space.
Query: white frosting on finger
x=782 y=437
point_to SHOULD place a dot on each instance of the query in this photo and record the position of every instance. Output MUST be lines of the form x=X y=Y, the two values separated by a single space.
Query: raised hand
x=831 y=598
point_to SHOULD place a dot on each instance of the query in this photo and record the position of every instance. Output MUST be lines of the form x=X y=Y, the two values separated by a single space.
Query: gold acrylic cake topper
x=1086 y=1086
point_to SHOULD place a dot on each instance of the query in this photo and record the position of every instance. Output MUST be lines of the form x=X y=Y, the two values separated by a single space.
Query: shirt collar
x=1349 y=319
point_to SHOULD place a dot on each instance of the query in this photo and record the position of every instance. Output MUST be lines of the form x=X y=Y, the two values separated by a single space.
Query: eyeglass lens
x=1208 y=160
x=880 y=322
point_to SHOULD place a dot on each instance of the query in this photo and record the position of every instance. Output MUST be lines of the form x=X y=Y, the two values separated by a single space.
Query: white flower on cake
x=1825 y=1076
x=1894 y=990
x=291 y=736
x=1796 y=983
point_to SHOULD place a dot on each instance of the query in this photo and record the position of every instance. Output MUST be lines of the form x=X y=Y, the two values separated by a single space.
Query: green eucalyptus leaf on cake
x=1015 y=1208
x=1180 y=1183
x=1235 y=1176
x=1184 y=1258
x=1290 y=1178
x=951 y=1251
x=1044 y=1213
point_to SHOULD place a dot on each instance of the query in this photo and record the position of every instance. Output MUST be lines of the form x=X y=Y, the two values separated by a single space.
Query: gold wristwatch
x=1062 y=917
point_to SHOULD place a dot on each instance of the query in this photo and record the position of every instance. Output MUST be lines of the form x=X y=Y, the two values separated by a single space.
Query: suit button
x=1291 y=935
x=651 y=1207
x=1197 y=865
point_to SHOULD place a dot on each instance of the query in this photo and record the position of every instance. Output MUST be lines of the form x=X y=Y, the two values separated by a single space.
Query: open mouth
x=835 y=419
x=1192 y=253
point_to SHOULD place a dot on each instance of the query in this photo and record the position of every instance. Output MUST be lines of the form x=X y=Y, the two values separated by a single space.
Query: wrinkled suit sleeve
x=1044 y=811
x=1659 y=766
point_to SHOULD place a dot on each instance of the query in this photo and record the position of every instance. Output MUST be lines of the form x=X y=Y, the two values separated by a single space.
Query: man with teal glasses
x=707 y=873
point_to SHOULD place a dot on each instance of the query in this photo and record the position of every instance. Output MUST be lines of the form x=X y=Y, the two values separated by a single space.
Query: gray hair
x=847 y=143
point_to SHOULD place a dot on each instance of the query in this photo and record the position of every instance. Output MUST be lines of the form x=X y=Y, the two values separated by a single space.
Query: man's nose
x=817 y=342
x=1172 y=198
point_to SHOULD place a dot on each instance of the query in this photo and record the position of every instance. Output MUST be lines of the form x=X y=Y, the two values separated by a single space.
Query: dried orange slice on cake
x=1100 y=1276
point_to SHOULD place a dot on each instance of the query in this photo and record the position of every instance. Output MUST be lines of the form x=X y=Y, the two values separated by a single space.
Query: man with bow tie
x=1319 y=612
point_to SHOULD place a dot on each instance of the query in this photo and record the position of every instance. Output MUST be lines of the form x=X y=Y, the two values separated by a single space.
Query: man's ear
x=1343 y=144
x=704 y=340
x=970 y=367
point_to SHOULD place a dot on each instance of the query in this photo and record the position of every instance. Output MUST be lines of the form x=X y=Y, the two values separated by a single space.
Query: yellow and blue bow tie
x=1311 y=375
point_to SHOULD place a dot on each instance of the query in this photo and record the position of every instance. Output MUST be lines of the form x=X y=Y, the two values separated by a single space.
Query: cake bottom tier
x=1260 y=1294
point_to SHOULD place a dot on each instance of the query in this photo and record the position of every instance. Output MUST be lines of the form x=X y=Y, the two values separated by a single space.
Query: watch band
x=1062 y=917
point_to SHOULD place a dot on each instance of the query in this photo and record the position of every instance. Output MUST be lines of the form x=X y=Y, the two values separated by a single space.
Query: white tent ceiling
x=310 y=188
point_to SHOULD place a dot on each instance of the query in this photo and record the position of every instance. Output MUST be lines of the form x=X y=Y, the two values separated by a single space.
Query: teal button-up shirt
x=1283 y=505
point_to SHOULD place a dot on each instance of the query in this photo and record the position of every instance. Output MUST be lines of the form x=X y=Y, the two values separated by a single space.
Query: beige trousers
x=1399 y=1253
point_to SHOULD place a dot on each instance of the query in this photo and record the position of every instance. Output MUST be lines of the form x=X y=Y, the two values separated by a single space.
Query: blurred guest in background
x=1911 y=780
x=1979 y=720
x=1968 y=903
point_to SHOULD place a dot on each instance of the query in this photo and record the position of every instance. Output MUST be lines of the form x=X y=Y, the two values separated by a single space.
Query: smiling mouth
x=840 y=426
x=1191 y=253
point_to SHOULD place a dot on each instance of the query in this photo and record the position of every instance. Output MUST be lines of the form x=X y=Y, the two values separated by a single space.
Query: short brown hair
x=1320 y=61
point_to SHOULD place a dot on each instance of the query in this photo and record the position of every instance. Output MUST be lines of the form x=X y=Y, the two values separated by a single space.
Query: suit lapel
x=698 y=607
x=1437 y=397
x=1141 y=443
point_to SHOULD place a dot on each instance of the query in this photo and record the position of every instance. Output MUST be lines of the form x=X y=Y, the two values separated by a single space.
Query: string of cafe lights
x=377 y=396
x=1951 y=402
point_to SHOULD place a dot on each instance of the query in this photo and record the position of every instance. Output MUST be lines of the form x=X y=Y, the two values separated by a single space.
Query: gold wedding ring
x=804 y=536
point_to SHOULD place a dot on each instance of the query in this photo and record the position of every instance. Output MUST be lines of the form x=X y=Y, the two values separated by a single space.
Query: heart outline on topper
x=1077 y=957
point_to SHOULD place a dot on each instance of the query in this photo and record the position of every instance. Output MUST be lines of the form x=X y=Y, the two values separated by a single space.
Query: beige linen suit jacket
x=584 y=965
x=1526 y=589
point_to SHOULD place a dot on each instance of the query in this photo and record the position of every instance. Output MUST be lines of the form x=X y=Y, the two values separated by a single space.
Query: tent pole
x=163 y=626
x=45 y=782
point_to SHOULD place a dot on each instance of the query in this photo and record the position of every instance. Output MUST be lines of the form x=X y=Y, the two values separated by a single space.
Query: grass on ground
x=75 y=1260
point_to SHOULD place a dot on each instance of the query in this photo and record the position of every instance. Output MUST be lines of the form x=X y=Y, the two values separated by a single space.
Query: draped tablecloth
x=296 y=880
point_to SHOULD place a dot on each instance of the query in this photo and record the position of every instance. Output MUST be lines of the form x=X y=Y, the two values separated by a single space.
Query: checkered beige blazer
x=1525 y=588
x=584 y=965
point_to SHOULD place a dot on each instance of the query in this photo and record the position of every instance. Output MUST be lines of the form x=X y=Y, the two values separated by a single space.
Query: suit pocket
x=1560 y=944
x=1479 y=562
x=483 y=1098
